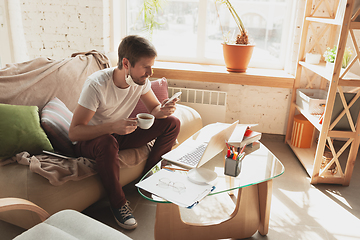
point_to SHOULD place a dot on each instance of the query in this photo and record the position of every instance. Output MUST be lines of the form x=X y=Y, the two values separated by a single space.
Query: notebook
x=196 y=151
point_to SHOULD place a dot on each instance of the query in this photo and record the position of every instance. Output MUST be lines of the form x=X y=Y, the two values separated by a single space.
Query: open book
x=175 y=187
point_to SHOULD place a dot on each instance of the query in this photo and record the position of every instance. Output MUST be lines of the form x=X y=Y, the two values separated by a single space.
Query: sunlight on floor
x=337 y=195
x=313 y=214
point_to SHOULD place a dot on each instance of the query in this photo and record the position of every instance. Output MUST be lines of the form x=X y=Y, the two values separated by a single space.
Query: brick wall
x=54 y=28
x=266 y=106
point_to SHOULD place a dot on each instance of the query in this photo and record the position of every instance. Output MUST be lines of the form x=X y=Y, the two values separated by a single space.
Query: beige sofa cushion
x=190 y=122
x=18 y=181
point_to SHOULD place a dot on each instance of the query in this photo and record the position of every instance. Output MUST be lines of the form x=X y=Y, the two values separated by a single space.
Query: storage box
x=312 y=58
x=311 y=100
x=302 y=132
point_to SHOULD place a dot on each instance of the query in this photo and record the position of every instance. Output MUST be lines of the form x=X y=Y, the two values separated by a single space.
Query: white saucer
x=201 y=175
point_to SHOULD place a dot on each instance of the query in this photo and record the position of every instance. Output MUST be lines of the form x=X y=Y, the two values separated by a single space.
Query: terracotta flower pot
x=237 y=56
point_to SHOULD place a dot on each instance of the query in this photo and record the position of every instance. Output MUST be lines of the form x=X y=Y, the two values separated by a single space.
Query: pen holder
x=233 y=167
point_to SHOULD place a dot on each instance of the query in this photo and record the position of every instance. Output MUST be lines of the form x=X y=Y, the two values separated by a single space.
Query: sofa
x=38 y=82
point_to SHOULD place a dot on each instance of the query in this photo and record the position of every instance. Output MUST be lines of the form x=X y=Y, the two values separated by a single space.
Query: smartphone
x=176 y=95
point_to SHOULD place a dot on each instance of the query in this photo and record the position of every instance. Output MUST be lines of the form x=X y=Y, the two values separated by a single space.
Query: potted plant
x=238 y=52
x=149 y=12
x=329 y=56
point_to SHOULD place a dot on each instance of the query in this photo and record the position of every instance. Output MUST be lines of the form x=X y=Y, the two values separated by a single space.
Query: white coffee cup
x=145 y=120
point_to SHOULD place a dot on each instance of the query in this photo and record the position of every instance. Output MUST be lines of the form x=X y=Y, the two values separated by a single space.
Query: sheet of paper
x=175 y=187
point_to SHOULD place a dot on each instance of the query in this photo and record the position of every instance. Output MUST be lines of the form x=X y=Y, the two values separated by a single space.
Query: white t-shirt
x=109 y=102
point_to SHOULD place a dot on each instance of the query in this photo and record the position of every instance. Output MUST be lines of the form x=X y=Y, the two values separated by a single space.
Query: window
x=190 y=30
x=4 y=38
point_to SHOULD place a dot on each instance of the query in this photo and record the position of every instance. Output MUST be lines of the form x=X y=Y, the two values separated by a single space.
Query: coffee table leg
x=168 y=223
x=265 y=193
x=242 y=223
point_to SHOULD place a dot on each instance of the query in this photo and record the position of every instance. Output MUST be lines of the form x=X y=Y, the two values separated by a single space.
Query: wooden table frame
x=251 y=214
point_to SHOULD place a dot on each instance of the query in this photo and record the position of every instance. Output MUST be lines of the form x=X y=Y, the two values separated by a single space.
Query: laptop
x=196 y=151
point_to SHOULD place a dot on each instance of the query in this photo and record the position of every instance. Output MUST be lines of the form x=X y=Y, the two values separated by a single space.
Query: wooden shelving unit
x=336 y=29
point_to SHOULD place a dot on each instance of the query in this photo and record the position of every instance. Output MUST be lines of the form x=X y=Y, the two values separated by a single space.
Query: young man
x=101 y=124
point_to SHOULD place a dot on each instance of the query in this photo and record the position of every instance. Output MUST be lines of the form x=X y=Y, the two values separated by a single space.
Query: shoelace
x=125 y=210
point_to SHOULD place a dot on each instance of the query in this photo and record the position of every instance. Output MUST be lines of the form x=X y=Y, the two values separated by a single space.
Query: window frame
x=6 y=54
x=119 y=31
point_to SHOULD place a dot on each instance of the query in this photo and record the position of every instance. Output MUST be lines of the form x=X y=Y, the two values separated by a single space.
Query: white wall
x=57 y=29
x=5 y=39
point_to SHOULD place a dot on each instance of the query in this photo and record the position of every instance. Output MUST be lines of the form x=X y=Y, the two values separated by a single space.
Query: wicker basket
x=327 y=157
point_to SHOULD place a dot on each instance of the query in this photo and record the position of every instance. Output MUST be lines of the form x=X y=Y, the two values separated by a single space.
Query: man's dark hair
x=133 y=48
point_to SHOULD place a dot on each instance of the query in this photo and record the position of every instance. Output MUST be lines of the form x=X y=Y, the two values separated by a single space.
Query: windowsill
x=219 y=74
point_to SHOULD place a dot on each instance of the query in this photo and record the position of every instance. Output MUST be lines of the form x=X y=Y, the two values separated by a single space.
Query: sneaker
x=124 y=217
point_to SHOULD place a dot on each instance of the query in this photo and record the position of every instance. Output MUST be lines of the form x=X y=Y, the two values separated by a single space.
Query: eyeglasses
x=176 y=186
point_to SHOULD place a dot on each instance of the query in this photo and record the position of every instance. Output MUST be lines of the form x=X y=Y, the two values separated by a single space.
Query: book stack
x=243 y=136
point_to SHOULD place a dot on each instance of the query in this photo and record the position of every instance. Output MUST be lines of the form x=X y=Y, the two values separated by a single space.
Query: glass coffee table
x=252 y=210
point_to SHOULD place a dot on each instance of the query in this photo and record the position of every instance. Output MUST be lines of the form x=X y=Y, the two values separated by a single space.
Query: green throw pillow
x=20 y=131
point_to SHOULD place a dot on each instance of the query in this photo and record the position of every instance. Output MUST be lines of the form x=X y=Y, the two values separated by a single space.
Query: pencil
x=243 y=149
x=240 y=156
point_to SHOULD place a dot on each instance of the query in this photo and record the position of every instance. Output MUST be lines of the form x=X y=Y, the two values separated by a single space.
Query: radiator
x=211 y=105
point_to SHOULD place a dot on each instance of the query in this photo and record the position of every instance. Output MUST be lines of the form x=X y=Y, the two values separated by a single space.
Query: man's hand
x=169 y=108
x=124 y=126
x=155 y=107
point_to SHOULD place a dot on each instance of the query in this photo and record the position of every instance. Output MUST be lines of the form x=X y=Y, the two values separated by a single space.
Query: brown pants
x=104 y=150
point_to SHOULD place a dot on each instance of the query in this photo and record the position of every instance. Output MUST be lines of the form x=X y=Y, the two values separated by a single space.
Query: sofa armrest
x=190 y=120
x=8 y=204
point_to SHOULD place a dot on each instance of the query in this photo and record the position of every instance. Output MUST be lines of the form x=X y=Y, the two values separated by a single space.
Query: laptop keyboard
x=192 y=158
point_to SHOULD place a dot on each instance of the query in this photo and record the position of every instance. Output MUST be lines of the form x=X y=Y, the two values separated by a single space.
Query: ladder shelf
x=331 y=157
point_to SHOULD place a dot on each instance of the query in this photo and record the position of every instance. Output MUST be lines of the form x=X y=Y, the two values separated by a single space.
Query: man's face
x=142 y=70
